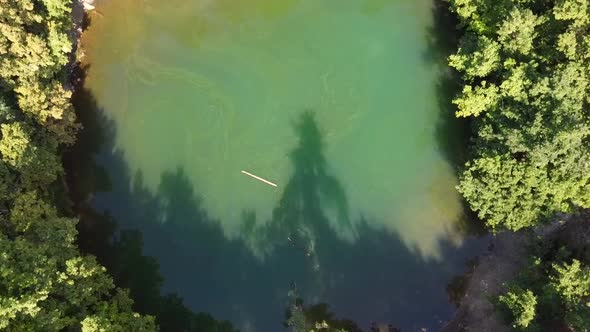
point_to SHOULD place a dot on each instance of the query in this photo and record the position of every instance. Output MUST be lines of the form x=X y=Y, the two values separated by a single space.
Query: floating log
x=88 y=6
x=259 y=178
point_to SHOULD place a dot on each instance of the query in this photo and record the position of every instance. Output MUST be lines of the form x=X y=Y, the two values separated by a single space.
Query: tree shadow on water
x=311 y=189
x=452 y=133
x=365 y=273
x=121 y=252
x=442 y=41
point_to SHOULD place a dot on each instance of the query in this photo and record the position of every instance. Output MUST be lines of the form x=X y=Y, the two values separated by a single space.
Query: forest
x=524 y=68
x=46 y=283
x=524 y=71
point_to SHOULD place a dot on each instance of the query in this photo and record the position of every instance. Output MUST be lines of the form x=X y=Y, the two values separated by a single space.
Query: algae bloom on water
x=336 y=102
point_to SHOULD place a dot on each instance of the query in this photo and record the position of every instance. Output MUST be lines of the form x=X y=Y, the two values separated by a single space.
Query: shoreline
x=502 y=262
x=79 y=15
x=72 y=83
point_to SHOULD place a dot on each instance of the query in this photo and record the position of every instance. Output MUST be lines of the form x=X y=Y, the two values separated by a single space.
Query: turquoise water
x=336 y=102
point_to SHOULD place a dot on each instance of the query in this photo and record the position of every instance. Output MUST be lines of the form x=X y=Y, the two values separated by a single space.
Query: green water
x=335 y=101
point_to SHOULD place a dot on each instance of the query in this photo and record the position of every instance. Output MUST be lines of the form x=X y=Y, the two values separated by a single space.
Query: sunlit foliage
x=553 y=290
x=34 y=48
x=525 y=65
x=45 y=283
x=571 y=281
x=521 y=303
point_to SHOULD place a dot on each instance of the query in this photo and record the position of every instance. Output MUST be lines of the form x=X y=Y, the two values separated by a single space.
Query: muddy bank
x=503 y=261
x=506 y=257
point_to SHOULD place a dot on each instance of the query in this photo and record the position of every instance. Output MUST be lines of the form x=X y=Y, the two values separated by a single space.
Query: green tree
x=560 y=284
x=116 y=316
x=575 y=11
x=571 y=281
x=525 y=67
x=521 y=303
x=517 y=32
x=474 y=101
x=45 y=283
x=478 y=56
x=37 y=164
x=35 y=46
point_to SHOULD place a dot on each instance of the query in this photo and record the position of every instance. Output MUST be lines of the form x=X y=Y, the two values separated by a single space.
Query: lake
x=341 y=104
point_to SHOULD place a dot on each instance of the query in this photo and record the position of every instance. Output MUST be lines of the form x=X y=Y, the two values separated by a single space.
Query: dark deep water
x=365 y=217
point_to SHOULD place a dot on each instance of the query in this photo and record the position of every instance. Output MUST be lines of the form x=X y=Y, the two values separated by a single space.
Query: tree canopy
x=34 y=48
x=45 y=283
x=521 y=303
x=553 y=291
x=525 y=67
